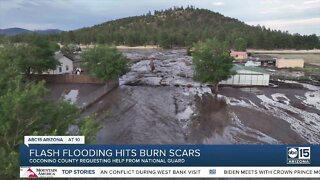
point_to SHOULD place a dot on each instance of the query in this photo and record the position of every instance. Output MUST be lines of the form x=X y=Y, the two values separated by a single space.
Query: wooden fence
x=67 y=78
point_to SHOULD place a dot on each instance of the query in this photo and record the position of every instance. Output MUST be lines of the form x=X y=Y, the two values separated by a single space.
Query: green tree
x=24 y=111
x=8 y=69
x=240 y=44
x=70 y=49
x=212 y=63
x=104 y=62
x=35 y=55
x=164 y=40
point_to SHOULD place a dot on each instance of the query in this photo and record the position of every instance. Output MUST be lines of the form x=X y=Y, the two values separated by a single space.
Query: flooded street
x=166 y=107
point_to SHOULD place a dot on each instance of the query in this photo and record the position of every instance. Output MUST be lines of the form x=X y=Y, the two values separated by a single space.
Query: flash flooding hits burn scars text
x=115 y=153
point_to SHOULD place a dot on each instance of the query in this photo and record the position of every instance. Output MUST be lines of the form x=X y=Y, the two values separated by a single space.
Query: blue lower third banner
x=207 y=161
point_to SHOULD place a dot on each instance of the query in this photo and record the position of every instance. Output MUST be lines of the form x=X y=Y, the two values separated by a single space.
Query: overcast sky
x=296 y=16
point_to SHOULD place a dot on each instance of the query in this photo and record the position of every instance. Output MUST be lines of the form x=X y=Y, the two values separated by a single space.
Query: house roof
x=238 y=53
x=262 y=58
x=238 y=67
x=59 y=55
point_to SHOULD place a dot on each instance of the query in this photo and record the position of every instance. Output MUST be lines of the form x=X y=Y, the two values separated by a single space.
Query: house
x=66 y=64
x=289 y=63
x=248 y=76
x=239 y=56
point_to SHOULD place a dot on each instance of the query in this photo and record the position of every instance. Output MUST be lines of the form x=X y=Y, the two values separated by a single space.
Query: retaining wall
x=93 y=97
x=85 y=101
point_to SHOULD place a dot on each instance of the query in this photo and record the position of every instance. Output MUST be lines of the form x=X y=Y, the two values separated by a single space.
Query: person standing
x=151 y=64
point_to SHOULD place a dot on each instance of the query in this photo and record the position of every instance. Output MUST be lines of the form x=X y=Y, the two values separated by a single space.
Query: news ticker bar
x=76 y=155
x=172 y=172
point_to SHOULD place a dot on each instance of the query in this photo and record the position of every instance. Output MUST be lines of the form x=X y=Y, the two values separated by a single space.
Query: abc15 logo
x=299 y=152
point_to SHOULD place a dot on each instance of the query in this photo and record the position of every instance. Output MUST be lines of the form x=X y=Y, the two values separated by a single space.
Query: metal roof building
x=248 y=76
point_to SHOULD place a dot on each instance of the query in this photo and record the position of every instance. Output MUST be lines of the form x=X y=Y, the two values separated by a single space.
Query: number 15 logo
x=304 y=153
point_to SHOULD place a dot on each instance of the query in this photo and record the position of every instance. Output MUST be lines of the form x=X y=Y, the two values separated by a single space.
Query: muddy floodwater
x=166 y=106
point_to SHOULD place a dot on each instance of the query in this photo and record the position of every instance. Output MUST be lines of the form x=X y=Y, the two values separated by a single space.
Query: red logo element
x=32 y=174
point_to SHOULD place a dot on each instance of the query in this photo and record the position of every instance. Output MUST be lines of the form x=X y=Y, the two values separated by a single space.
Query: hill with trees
x=21 y=31
x=13 y=31
x=181 y=26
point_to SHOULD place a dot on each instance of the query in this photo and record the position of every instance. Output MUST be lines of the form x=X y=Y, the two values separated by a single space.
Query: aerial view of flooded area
x=159 y=89
x=158 y=102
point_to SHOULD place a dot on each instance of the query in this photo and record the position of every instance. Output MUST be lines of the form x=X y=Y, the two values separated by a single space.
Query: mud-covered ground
x=166 y=106
x=137 y=115
x=70 y=91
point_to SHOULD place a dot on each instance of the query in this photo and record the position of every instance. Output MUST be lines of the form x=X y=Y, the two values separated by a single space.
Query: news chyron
x=70 y=157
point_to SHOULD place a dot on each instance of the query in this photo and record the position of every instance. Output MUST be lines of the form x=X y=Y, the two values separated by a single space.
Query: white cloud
x=9 y=5
x=218 y=3
x=292 y=24
x=291 y=7
x=312 y=2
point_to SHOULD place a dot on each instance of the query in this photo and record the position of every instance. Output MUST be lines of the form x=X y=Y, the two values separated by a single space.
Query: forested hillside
x=184 y=26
